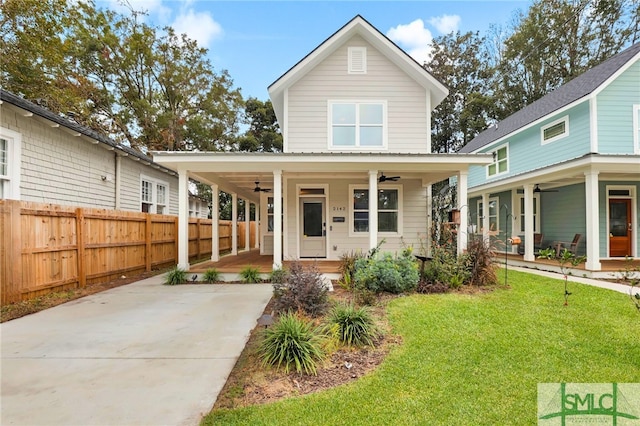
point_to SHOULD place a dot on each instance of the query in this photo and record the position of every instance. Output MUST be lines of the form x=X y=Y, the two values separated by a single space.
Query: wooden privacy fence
x=45 y=247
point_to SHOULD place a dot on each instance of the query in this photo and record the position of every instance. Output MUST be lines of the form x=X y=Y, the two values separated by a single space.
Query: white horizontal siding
x=406 y=101
x=414 y=217
x=59 y=168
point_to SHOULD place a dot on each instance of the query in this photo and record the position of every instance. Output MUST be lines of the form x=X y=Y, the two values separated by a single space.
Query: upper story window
x=500 y=162
x=357 y=58
x=389 y=209
x=357 y=124
x=10 y=147
x=555 y=130
x=636 y=127
x=153 y=195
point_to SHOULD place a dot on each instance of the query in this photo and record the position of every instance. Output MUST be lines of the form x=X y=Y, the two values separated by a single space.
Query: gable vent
x=357 y=60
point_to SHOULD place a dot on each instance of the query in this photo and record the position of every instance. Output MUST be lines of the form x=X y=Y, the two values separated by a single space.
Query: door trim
x=634 y=216
x=299 y=187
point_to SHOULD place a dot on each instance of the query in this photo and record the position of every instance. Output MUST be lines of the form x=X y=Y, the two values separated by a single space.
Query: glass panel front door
x=619 y=227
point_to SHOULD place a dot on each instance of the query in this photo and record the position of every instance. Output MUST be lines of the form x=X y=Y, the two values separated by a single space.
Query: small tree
x=566 y=260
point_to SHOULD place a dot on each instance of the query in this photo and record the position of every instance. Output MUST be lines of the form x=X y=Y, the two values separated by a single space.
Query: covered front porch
x=320 y=205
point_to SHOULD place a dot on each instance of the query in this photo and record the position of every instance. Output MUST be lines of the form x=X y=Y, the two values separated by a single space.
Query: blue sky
x=257 y=41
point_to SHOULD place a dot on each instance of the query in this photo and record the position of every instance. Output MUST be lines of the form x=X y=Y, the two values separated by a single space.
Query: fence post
x=197 y=238
x=147 y=243
x=175 y=239
x=80 y=243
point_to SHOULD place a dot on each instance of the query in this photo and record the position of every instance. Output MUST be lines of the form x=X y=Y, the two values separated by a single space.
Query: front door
x=619 y=227
x=313 y=224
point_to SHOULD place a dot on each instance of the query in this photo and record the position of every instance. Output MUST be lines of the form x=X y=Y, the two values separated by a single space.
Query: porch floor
x=264 y=263
x=608 y=271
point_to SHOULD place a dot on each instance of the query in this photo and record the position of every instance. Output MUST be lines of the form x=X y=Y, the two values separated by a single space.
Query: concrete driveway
x=141 y=354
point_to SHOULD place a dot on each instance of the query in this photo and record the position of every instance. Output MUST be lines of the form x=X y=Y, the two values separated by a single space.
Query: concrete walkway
x=621 y=288
x=140 y=354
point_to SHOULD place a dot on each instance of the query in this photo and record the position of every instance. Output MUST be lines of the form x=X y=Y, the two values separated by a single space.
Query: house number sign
x=339 y=209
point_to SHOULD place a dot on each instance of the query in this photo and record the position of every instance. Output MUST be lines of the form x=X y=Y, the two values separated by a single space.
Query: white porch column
x=247 y=223
x=277 y=219
x=528 y=223
x=373 y=209
x=485 y=218
x=257 y=219
x=215 y=223
x=462 y=201
x=592 y=206
x=183 y=220
x=429 y=218
x=234 y=224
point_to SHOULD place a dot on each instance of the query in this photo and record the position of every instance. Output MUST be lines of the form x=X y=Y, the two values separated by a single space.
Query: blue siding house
x=565 y=166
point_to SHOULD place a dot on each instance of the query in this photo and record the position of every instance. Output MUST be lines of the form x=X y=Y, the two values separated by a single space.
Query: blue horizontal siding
x=615 y=112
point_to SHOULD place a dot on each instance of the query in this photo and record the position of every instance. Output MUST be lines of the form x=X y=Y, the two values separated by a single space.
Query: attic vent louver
x=357 y=60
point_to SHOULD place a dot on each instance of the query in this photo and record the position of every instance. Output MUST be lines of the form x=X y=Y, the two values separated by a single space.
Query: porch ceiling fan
x=258 y=189
x=537 y=190
x=384 y=178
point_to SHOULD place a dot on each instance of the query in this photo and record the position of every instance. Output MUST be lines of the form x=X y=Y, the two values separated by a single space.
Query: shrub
x=211 y=275
x=175 y=276
x=446 y=268
x=355 y=325
x=279 y=275
x=394 y=275
x=348 y=267
x=291 y=341
x=304 y=291
x=481 y=267
x=250 y=275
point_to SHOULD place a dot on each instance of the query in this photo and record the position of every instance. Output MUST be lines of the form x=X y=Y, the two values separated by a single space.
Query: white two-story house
x=357 y=165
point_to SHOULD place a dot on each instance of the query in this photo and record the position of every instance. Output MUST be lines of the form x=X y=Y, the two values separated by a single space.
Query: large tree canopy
x=148 y=87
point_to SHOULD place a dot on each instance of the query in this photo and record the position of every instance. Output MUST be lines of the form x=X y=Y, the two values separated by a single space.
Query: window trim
x=357 y=146
x=636 y=128
x=481 y=217
x=11 y=181
x=155 y=183
x=564 y=120
x=350 y=52
x=496 y=162
x=519 y=214
x=398 y=233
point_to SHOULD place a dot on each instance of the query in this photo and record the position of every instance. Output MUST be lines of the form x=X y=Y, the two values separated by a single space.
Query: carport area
x=140 y=354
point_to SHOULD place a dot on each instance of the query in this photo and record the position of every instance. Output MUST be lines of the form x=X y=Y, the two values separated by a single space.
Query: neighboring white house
x=48 y=159
x=353 y=112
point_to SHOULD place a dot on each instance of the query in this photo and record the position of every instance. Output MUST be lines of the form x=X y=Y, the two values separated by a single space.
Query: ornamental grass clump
x=175 y=276
x=211 y=276
x=355 y=325
x=250 y=275
x=292 y=343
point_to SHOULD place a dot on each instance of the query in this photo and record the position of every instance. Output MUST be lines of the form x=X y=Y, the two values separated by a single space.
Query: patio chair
x=537 y=244
x=572 y=246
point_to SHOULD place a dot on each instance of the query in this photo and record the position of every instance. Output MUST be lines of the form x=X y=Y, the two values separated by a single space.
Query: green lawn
x=476 y=359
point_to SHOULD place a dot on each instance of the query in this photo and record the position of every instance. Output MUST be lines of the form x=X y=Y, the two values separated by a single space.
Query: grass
x=476 y=359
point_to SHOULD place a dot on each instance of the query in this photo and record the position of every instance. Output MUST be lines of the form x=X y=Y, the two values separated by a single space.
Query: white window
x=357 y=124
x=10 y=147
x=536 y=213
x=153 y=195
x=492 y=212
x=636 y=128
x=555 y=130
x=270 y=209
x=500 y=163
x=389 y=209
x=357 y=58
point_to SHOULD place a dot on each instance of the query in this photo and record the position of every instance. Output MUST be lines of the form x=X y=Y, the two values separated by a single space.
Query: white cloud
x=199 y=26
x=414 y=38
x=156 y=11
x=445 y=23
